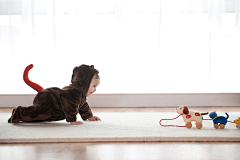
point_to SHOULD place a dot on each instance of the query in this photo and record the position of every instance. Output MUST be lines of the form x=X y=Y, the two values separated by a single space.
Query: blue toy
x=218 y=121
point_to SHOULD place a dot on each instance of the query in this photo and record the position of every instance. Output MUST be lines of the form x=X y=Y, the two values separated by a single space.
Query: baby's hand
x=76 y=123
x=94 y=118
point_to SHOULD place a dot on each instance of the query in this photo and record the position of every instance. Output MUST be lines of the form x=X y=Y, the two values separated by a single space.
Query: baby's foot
x=9 y=120
x=15 y=116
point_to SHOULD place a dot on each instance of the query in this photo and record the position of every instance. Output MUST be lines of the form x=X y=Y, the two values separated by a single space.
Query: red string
x=170 y=125
x=227 y=121
x=206 y=119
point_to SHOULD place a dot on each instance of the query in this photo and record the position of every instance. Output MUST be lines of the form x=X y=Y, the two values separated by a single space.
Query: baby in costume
x=53 y=104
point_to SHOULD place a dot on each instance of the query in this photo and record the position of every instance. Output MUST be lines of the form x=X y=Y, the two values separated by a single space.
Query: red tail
x=35 y=86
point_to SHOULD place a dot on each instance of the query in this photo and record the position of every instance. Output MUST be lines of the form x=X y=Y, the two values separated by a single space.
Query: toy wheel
x=238 y=125
x=216 y=126
x=189 y=125
x=199 y=125
x=222 y=126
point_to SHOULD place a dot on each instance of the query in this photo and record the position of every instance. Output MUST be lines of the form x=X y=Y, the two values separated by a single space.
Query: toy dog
x=218 y=121
x=237 y=121
x=189 y=116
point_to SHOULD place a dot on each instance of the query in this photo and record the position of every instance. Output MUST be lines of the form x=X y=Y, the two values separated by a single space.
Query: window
x=147 y=46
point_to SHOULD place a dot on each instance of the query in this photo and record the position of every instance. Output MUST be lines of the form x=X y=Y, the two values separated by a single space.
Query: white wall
x=140 y=100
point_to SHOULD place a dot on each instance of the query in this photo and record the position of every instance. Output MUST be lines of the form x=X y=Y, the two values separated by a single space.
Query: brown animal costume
x=53 y=104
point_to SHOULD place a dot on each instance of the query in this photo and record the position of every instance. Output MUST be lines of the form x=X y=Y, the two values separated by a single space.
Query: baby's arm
x=69 y=104
x=86 y=113
x=76 y=123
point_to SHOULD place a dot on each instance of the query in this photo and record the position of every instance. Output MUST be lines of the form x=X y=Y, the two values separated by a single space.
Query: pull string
x=170 y=125
x=227 y=121
x=207 y=119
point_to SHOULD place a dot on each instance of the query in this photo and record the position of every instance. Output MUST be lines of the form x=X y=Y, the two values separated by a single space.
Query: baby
x=53 y=104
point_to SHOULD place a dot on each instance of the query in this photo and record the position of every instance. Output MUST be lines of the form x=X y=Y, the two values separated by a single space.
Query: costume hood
x=82 y=77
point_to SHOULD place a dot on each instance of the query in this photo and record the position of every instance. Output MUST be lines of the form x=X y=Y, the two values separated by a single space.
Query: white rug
x=117 y=126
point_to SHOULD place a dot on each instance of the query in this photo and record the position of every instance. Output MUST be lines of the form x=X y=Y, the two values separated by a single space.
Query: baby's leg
x=41 y=110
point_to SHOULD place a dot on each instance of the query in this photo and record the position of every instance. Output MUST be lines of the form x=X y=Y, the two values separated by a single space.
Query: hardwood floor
x=125 y=150
x=120 y=151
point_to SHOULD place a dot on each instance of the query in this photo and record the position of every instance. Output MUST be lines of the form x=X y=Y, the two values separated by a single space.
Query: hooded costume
x=53 y=104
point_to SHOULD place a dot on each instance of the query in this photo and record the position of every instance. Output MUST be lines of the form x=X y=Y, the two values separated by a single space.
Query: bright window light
x=146 y=46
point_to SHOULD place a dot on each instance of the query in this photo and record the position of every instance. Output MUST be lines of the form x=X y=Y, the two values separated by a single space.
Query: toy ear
x=185 y=110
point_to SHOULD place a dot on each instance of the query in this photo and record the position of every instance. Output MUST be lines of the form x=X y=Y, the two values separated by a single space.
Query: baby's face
x=93 y=86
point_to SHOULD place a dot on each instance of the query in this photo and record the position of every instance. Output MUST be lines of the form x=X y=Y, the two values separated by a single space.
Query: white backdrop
x=139 y=46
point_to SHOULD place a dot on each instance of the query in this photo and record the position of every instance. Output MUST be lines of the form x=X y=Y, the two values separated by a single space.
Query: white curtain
x=139 y=46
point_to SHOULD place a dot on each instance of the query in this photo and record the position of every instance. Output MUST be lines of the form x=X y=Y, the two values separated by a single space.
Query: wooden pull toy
x=219 y=121
x=237 y=122
x=189 y=116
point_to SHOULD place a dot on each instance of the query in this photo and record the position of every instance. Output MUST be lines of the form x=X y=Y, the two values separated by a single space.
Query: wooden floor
x=125 y=150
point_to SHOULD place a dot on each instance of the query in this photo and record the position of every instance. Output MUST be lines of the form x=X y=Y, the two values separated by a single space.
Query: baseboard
x=140 y=100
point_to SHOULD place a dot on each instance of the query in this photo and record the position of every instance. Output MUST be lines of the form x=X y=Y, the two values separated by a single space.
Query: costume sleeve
x=70 y=102
x=85 y=111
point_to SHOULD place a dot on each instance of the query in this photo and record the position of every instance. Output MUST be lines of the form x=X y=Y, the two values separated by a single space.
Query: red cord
x=206 y=119
x=227 y=121
x=170 y=125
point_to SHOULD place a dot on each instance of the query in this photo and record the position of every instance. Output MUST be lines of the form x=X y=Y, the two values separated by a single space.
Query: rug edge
x=122 y=139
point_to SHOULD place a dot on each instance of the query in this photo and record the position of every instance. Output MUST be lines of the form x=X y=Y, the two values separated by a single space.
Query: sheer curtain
x=139 y=46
